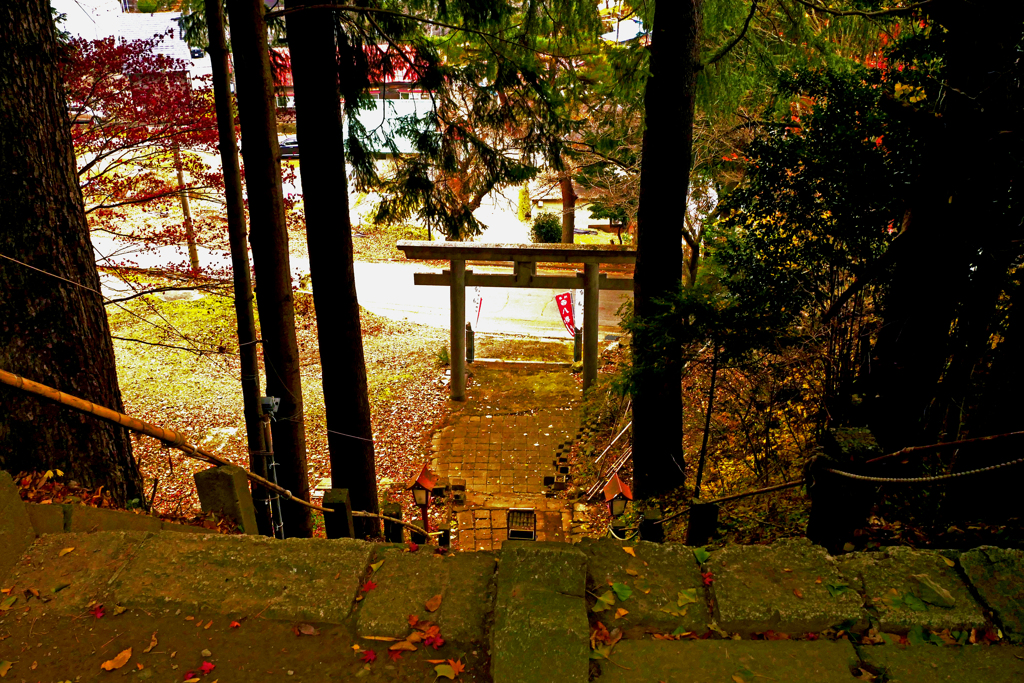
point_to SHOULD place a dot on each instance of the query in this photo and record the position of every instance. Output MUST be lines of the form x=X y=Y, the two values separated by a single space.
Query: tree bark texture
x=51 y=331
x=664 y=177
x=568 y=206
x=269 y=239
x=235 y=209
x=311 y=36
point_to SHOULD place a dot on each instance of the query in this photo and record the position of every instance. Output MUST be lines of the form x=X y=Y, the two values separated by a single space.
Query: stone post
x=392 y=531
x=225 y=490
x=458 y=354
x=338 y=524
x=591 y=302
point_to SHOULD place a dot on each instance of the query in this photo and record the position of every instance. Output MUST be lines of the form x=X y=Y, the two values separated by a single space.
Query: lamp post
x=617 y=494
x=421 y=486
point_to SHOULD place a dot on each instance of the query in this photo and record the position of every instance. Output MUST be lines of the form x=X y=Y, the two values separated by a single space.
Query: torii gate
x=525 y=258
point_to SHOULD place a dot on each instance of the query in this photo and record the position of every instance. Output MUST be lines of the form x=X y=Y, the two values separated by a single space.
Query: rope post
x=703 y=522
x=419 y=537
x=392 y=531
x=338 y=524
x=470 y=343
x=619 y=527
x=839 y=505
x=650 y=526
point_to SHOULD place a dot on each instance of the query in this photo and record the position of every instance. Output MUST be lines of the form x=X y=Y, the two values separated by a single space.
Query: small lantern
x=617 y=494
x=421 y=486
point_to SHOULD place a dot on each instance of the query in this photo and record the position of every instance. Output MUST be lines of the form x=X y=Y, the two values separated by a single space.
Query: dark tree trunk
x=235 y=209
x=664 y=177
x=269 y=239
x=568 y=206
x=329 y=235
x=51 y=330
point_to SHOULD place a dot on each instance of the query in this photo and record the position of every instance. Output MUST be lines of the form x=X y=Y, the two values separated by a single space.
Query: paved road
x=387 y=289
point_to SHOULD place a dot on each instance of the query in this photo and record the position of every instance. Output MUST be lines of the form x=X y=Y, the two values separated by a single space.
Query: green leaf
x=687 y=596
x=836 y=589
x=701 y=554
x=602 y=652
x=918 y=636
x=915 y=603
x=622 y=590
x=604 y=602
x=445 y=670
x=680 y=630
x=8 y=603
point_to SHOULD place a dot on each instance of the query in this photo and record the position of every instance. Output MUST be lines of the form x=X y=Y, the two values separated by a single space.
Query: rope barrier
x=938 y=477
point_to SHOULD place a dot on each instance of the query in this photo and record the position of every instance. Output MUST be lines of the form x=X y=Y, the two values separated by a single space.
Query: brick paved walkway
x=503 y=459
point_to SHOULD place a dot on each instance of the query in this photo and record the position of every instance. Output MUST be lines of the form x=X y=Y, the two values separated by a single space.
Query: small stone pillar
x=651 y=528
x=225 y=490
x=338 y=524
x=470 y=343
x=392 y=531
x=703 y=523
x=419 y=537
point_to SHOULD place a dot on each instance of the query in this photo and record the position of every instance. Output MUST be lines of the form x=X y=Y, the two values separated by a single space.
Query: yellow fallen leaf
x=388 y=639
x=152 y=643
x=632 y=572
x=64 y=552
x=628 y=551
x=798 y=593
x=208 y=624
x=5 y=666
x=950 y=562
x=433 y=603
x=192 y=680
x=355 y=646
x=117 y=662
x=619 y=613
x=403 y=645
x=138 y=665
x=735 y=677
x=437 y=661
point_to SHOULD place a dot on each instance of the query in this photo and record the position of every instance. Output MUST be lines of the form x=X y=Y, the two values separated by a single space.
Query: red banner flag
x=564 y=302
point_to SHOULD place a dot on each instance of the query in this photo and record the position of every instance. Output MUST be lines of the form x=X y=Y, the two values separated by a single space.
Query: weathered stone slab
x=78 y=576
x=758 y=588
x=541 y=631
x=225 y=490
x=290 y=579
x=878 y=574
x=932 y=664
x=16 y=532
x=46 y=519
x=184 y=528
x=84 y=518
x=407 y=580
x=718 y=661
x=998 y=577
x=659 y=573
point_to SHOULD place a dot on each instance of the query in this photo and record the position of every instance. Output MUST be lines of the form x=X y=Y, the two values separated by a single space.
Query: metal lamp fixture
x=421 y=486
x=617 y=494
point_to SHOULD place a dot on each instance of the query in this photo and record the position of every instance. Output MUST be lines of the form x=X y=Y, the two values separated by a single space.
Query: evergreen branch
x=729 y=46
x=889 y=11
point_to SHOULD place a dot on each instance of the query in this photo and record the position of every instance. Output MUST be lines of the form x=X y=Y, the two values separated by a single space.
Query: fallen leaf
x=97 y=611
x=138 y=666
x=457 y=666
x=306 y=630
x=701 y=554
x=412 y=546
x=207 y=667
x=950 y=562
x=686 y=596
x=632 y=572
x=628 y=551
x=403 y=645
x=34 y=666
x=386 y=639
x=376 y=565
x=619 y=613
x=437 y=661
x=413 y=620
x=433 y=603
x=445 y=670
x=118 y=609
x=798 y=593
x=117 y=662
x=152 y=643
x=64 y=552
x=194 y=679
x=206 y=653
x=604 y=601
x=234 y=624
x=190 y=618
x=369 y=656
x=367 y=587
x=708 y=578
x=8 y=603
x=622 y=591
x=208 y=624
x=394 y=655
x=5 y=666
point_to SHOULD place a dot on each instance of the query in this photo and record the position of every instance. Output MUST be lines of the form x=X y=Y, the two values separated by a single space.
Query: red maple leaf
x=367 y=587
x=457 y=666
x=206 y=667
x=97 y=611
x=394 y=655
x=708 y=578
x=434 y=641
x=369 y=656
x=234 y=624
x=413 y=620
x=412 y=546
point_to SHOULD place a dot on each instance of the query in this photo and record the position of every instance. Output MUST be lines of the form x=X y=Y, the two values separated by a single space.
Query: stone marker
x=406 y=581
x=541 y=633
x=932 y=664
x=757 y=588
x=392 y=531
x=225 y=489
x=338 y=524
x=722 y=661
x=659 y=573
x=996 y=575
x=16 y=532
x=877 y=574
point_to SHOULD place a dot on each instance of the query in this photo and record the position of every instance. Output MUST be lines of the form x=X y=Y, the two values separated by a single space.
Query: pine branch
x=729 y=46
x=889 y=11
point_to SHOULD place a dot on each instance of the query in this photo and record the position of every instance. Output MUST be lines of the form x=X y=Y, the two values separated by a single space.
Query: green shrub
x=441 y=357
x=546 y=228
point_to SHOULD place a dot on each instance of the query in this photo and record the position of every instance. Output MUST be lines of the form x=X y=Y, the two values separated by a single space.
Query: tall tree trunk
x=329 y=236
x=667 y=148
x=186 y=211
x=568 y=206
x=52 y=330
x=235 y=209
x=269 y=238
